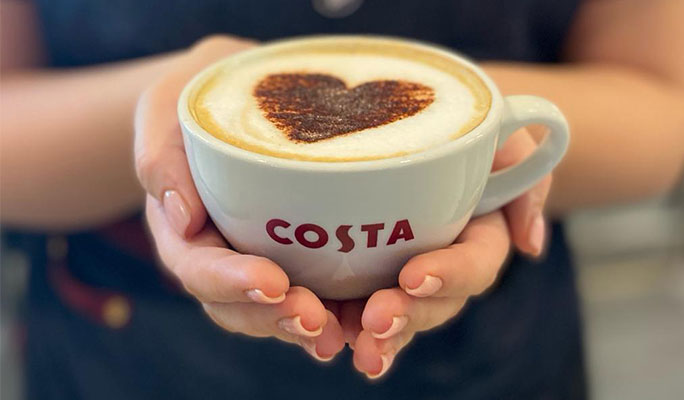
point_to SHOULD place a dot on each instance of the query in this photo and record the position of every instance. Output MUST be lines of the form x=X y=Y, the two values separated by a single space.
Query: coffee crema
x=340 y=99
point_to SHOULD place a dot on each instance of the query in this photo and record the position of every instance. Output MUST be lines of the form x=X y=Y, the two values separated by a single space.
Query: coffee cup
x=341 y=157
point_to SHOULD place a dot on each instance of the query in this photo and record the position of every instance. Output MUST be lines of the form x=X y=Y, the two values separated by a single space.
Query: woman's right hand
x=241 y=293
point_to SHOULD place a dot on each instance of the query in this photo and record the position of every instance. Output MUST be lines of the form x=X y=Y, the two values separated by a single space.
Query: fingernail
x=537 y=229
x=310 y=347
x=398 y=323
x=386 y=363
x=176 y=211
x=258 y=296
x=294 y=326
x=431 y=284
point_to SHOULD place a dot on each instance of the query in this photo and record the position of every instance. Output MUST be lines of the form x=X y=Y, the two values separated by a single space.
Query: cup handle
x=507 y=184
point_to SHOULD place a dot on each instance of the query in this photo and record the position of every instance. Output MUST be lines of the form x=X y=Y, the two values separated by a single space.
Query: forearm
x=67 y=158
x=627 y=129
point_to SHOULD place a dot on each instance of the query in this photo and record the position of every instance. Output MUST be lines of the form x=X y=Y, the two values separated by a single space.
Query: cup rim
x=487 y=126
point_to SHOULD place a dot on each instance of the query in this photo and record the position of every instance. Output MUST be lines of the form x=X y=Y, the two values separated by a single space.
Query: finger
x=518 y=147
x=329 y=343
x=525 y=217
x=375 y=352
x=465 y=268
x=161 y=162
x=390 y=312
x=374 y=357
x=350 y=319
x=525 y=213
x=300 y=315
x=211 y=272
x=160 y=158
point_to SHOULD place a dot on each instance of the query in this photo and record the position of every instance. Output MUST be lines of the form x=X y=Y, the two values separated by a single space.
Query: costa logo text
x=282 y=232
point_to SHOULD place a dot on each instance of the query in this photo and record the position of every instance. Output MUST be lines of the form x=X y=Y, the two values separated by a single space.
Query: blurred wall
x=631 y=276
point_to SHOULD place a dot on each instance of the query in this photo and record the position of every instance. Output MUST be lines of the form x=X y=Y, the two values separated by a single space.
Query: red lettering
x=346 y=241
x=320 y=232
x=402 y=230
x=372 y=230
x=277 y=223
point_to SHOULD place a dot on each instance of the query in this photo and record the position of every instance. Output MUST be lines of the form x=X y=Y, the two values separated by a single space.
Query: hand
x=434 y=287
x=241 y=293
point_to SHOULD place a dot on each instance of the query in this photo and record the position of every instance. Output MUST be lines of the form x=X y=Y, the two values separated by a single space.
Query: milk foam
x=227 y=108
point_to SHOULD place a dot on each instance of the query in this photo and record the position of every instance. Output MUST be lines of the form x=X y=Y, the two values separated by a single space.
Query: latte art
x=313 y=107
x=355 y=101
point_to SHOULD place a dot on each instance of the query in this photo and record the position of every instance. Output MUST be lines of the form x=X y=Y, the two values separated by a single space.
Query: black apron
x=104 y=322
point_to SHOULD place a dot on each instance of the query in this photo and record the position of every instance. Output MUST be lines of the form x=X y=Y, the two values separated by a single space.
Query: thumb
x=161 y=163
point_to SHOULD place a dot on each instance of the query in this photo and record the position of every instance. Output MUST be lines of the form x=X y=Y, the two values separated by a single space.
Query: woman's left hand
x=434 y=287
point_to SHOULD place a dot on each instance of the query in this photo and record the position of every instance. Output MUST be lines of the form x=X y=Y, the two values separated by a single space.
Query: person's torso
x=79 y=32
x=511 y=341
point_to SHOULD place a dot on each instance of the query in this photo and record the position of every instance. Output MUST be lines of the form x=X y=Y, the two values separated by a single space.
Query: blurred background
x=630 y=263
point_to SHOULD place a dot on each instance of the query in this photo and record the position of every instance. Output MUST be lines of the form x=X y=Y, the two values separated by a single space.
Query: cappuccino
x=345 y=229
x=351 y=99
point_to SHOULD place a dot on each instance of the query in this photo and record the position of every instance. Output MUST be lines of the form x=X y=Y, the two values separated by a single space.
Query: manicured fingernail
x=398 y=323
x=258 y=296
x=431 y=284
x=310 y=347
x=294 y=326
x=386 y=364
x=176 y=211
x=537 y=229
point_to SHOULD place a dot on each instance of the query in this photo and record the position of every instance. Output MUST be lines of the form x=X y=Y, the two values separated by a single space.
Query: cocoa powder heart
x=313 y=107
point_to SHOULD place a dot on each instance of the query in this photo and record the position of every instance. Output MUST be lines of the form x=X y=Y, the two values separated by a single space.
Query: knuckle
x=467 y=258
x=210 y=41
x=187 y=282
x=404 y=339
x=142 y=106
x=167 y=262
x=479 y=274
x=186 y=276
x=219 y=320
x=190 y=289
x=216 y=42
x=488 y=277
x=160 y=169
x=148 y=94
x=424 y=320
x=145 y=166
x=178 y=267
x=457 y=307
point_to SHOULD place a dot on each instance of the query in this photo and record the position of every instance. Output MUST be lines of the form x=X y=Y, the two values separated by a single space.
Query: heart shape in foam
x=313 y=107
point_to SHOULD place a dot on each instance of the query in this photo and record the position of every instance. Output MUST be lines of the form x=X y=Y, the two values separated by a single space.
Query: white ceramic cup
x=345 y=229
